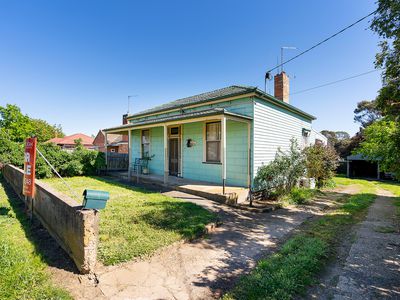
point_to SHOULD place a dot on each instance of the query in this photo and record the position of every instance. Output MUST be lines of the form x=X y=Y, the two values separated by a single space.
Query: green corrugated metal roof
x=230 y=91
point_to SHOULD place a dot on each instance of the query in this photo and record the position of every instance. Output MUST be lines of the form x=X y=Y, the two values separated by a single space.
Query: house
x=116 y=143
x=221 y=136
x=68 y=142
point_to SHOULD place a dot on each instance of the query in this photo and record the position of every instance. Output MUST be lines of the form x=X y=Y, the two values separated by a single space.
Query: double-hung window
x=145 y=143
x=213 y=142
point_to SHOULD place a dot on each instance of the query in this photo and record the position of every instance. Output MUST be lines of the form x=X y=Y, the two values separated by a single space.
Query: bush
x=11 y=152
x=301 y=195
x=79 y=162
x=283 y=173
x=321 y=162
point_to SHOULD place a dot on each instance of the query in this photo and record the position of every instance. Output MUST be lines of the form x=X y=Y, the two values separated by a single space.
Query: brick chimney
x=281 y=87
x=124 y=119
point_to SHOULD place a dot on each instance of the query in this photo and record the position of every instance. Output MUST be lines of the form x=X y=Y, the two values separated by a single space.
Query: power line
x=323 y=41
x=336 y=81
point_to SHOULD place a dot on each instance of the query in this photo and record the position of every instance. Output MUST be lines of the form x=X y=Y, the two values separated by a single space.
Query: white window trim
x=205 y=143
x=140 y=141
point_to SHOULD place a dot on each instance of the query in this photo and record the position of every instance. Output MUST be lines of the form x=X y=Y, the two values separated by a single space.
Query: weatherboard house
x=221 y=137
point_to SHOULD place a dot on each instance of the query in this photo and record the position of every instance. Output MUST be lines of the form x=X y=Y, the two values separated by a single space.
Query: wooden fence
x=117 y=161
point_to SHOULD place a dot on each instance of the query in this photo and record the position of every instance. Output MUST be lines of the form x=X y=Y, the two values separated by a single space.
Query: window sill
x=212 y=162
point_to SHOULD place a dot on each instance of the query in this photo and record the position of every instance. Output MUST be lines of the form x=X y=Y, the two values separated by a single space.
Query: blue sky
x=75 y=62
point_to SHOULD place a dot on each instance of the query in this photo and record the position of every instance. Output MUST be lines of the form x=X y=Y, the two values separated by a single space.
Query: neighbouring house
x=68 y=142
x=222 y=136
x=116 y=143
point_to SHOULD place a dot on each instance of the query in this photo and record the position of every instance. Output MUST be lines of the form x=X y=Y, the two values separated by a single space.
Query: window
x=145 y=143
x=213 y=142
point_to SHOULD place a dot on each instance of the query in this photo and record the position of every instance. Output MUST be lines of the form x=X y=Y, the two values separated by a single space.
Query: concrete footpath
x=202 y=269
x=371 y=267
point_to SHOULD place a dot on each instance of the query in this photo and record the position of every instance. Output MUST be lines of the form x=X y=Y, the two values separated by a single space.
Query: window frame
x=141 y=142
x=219 y=141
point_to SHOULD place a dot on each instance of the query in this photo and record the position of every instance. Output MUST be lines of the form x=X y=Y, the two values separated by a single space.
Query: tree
x=340 y=141
x=386 y=24
x=331 y=136
x=342 y=135
x=44 y=131
x=366 y=113
x=382 y=143
x=17 y=126
x=14 y=125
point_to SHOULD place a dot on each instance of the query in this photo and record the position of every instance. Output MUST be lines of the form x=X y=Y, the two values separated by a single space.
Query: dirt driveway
x=205 y=268
x=368 y=265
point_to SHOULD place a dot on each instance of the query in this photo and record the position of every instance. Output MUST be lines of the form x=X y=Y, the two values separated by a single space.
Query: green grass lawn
x=22 y=269
x=295 y=266
x=135 y=222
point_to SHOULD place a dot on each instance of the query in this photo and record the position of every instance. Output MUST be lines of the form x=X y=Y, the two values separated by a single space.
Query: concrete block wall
x=75 y=230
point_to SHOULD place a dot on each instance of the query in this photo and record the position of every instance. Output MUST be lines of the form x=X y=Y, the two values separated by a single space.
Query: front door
x=174 y=151
x=173 y=156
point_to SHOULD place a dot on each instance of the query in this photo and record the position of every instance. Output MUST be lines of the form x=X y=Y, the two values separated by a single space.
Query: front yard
x=135 y=222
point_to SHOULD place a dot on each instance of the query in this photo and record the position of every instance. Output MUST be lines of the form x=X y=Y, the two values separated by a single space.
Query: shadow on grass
x=186 y=218
x=4 y=211
x=146 y=188
x=45 y=246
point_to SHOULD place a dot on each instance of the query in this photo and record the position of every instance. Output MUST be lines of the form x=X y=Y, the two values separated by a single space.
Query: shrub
x=79 y=162
x=301 y=195
x=11 y=152
x=321 y=162
x=71 y=168
x=283 y=173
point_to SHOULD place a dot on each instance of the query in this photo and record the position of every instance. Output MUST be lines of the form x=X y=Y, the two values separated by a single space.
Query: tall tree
x=386 y=24
x=16 y=126
x=44 y=131
x=382 y=138
x=366 y=113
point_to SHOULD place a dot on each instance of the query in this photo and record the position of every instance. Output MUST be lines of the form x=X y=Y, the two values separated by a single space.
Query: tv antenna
x=282 y=50
x=129 y=102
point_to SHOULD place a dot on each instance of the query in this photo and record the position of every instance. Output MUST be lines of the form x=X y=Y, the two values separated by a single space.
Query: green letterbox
x=95 y=199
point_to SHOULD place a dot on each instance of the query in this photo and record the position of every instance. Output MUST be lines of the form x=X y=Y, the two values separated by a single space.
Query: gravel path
x=371 y=267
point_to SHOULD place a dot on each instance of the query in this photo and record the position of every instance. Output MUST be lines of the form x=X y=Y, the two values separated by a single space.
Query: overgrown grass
x=22 y=270
x=135 y=222
x=300 y=196
x=288 y=272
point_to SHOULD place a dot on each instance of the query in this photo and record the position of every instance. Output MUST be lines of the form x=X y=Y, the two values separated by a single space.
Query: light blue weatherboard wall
x=156 y=164
x=273 y=127
x=236 y=155
x=193 y=166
